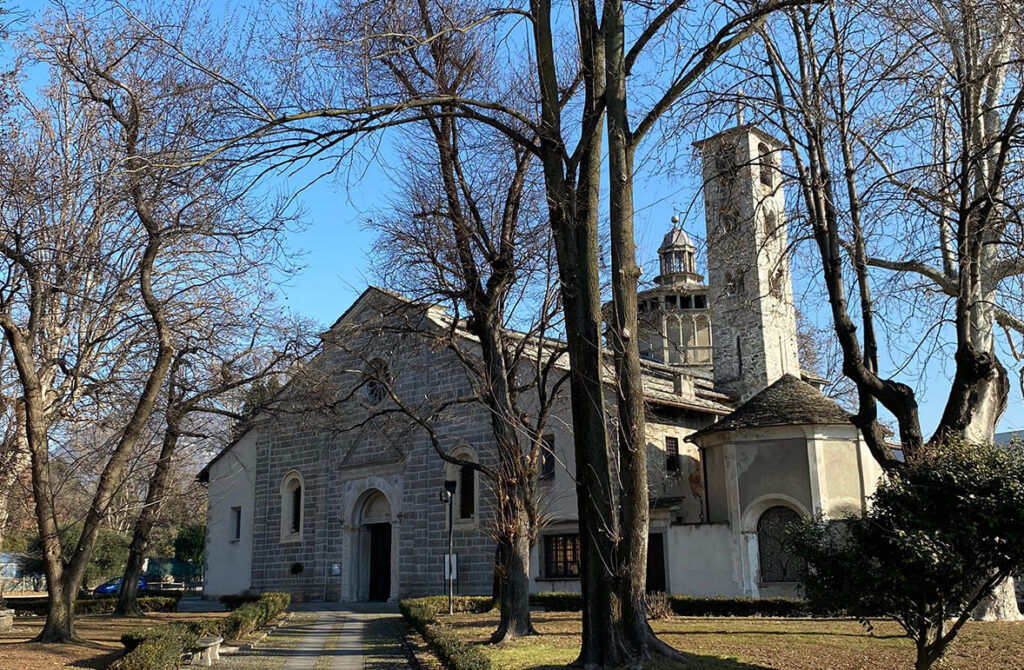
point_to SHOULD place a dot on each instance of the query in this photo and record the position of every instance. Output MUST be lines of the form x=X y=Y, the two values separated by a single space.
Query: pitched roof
x=787 y=402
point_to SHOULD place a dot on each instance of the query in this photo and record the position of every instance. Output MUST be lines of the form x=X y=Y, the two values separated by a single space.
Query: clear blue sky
x=335 y=246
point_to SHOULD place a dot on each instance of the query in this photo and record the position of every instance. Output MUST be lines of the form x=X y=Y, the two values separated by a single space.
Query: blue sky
x=337 y=266
x=335 y=244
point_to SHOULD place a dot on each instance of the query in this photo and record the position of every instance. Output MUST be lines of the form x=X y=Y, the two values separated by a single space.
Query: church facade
x=338 y=499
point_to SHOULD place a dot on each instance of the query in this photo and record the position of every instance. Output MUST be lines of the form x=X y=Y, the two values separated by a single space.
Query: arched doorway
x=374 y=548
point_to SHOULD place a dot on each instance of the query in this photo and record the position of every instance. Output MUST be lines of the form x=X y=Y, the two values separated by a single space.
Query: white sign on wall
x=455 y=565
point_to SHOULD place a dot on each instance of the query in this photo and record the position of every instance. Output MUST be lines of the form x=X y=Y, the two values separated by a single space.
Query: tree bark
x=572 y=210
x=1001 y=604
x=514 y=585
x=632 y=436
x=127 y=599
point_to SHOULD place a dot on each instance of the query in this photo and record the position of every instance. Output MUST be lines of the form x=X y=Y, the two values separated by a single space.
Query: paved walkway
x=322 y=637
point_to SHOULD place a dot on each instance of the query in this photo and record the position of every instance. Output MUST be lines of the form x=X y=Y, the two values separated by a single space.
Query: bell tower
x=753 y=321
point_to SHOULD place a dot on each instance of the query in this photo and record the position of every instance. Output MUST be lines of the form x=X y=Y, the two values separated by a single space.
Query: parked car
x=114 y=586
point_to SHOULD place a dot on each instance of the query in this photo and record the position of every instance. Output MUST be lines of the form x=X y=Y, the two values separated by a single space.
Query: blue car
x=114 y=586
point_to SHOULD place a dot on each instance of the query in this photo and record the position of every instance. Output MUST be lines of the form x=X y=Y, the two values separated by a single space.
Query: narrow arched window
x=765 y=163
x=296 y=525
x=467 y=492
x=777 y=561
x=292 y=499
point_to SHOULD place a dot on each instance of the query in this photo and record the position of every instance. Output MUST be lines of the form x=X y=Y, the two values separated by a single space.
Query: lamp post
x=448 y=498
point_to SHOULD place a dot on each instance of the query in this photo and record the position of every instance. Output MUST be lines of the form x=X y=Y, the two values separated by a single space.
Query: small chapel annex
x=740 y=440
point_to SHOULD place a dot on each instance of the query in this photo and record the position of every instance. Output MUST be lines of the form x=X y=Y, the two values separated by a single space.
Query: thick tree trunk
x=572 y=211
x=60 y=616
x=514 y=525
x=127 y=599
x=515 y=586
x=634 y=508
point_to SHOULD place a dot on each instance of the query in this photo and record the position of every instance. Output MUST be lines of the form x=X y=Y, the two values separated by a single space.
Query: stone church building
x=338 y=499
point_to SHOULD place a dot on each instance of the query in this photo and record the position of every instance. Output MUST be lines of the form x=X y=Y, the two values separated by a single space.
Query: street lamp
x=448 y=498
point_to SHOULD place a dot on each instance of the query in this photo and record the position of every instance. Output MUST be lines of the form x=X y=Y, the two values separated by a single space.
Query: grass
x=755 y=643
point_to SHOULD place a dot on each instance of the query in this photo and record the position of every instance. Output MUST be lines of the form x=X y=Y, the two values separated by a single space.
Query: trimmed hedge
x=235 y=601
x=155 y=647
x=161 y=647
x=557 y=601
x=40 y=606
x=454 y=652
x=254 y=615
x=691 y=606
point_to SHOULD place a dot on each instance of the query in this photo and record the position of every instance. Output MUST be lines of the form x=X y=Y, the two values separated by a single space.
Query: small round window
x=377 y=378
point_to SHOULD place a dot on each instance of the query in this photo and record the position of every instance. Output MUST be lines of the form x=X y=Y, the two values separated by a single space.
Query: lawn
x=101 y=634
x=755 y=643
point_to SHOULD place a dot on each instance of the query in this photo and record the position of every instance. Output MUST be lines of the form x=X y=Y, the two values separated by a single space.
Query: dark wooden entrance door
x=380 y=561
x=656 y=563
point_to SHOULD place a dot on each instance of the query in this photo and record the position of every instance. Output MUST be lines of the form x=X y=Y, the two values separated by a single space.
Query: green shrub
x=941 y=532
x=233 y=602
x=161 y=647
x=251 y=616
x=40 y=606
x=454 y=652
x=554 y=601
x=155 y=647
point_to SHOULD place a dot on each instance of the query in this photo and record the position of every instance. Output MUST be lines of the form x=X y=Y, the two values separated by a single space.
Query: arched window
x=292 y=499
x=467 y=492
x=778 y=563
x=465 y=478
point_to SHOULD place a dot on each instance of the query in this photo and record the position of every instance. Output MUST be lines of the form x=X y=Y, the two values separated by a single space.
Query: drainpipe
x=704 y=474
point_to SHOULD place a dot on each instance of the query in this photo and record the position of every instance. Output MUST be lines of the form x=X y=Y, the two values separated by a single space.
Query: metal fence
x=23 y=584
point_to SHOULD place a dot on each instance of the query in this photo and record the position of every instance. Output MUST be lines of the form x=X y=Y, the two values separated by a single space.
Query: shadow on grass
x=689 y=633
x=693 y=662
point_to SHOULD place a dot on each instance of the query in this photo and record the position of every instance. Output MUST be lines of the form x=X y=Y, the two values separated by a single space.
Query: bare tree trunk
x=634 y=505
x=60 y=622
x=573 y=215
x=127 y=599
x=514 y=584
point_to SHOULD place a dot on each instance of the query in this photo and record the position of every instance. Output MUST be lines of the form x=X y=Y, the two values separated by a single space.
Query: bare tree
x=108 y=217
x=467 y=235
x=225 y=348
x=906 y=144
x=560 y=124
